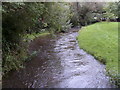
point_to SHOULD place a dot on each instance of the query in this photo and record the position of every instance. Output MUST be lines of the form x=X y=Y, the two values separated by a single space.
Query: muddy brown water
x=60 y=63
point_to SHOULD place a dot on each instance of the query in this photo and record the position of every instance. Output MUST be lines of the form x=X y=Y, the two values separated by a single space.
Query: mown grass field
x=101 y=40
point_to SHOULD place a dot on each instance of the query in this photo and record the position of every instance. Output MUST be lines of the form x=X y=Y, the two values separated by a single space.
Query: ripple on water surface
x=61 y=64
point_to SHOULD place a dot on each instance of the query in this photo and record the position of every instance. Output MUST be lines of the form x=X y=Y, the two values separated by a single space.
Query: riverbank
x=30 y=37
x=15 y=59
x=101 y=40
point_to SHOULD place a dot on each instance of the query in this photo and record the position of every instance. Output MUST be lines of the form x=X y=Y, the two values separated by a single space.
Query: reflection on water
x=59 y=64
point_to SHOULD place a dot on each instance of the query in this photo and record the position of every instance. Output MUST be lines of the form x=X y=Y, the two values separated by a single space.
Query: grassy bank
x=32 y=36
x=101 y=40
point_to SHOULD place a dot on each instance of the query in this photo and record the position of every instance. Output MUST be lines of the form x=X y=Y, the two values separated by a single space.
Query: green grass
x=101 y=40
x=29 y=37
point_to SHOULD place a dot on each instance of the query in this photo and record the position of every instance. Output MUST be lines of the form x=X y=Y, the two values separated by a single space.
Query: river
x=60 y=63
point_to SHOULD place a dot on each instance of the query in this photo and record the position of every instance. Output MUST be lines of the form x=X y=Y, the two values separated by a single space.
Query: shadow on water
x=39 y=71
x=60 y=63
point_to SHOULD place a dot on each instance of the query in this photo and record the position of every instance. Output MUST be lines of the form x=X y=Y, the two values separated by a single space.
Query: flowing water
x=60 y=63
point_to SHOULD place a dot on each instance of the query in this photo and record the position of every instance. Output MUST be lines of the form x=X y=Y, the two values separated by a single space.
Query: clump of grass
x=101 y=40
x=30 y=37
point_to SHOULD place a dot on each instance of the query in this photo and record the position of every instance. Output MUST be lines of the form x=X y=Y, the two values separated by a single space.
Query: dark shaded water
x=59 y=64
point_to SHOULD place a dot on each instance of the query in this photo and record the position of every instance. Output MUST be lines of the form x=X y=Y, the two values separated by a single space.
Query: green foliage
x=21 y=19
x=16 y=18
x=13 y=60
x=90 y=12
x=112 y=10
x=84 y=12
x=101 y=40
x=58 y=16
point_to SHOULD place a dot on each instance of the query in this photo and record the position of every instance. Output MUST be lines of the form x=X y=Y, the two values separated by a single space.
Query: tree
x=20 y=18
x=112 y=11
x=84 y=12
x=58 y=16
